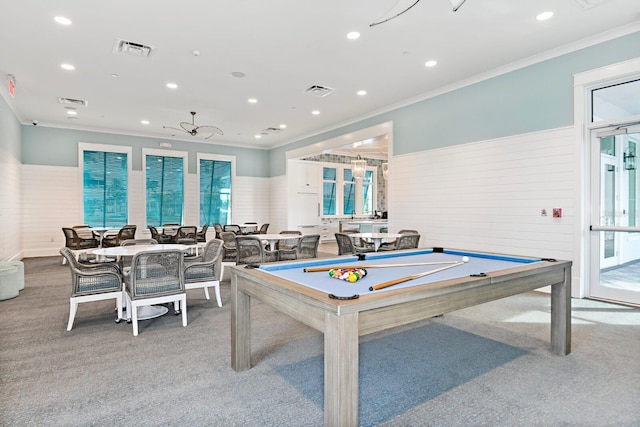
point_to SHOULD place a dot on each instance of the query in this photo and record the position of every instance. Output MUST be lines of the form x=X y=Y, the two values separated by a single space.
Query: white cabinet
x=306 y=176
x=328 y=229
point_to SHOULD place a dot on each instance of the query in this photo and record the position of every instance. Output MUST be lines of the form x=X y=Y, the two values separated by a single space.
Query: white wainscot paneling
x=251 y=200
x=10 y=207
x=50 y=201
x=278 y=203
x=489 y=195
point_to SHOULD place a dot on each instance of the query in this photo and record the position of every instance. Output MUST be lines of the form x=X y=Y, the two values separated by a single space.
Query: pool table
x=344 y=311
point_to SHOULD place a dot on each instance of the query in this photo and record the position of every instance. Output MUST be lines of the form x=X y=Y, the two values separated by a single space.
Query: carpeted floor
x=489 y=365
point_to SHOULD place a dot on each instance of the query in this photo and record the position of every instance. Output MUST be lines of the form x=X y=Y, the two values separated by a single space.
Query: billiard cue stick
x=339 y=267
x=413 y=276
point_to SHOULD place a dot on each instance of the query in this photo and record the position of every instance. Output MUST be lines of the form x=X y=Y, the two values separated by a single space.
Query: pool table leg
x=561 y=315
x=341 y=370
x=240 y=328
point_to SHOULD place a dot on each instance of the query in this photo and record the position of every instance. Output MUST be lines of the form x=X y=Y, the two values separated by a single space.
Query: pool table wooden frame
x=342 y=322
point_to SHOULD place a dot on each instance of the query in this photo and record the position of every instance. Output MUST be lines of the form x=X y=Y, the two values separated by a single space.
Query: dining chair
x=287 y=247
x=393 y=245
x=249 y=250
x=202 y=234
x=206 y=272
x=76 y=244
x=125 y=233
x=122 y=261
x=159 y=237
x=308 y=246
x=94 y=282
x=262 y=230
x=156 y=277
x=85 y=232
x=346 y=246
x=407 y=241
x=229 y=250
x=218 y=229
x=233 y=227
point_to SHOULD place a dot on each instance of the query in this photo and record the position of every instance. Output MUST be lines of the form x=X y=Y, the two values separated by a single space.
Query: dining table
x=273 y=238
x=148 y=311
x=376 y=238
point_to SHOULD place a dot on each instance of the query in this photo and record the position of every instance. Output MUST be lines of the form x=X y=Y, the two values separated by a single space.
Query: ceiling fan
x=194 y=130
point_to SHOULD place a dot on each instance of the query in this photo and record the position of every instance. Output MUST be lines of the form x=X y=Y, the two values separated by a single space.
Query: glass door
x=615 y=226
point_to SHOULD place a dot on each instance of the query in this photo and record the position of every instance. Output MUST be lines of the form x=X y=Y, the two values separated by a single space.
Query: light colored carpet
x=99 y=374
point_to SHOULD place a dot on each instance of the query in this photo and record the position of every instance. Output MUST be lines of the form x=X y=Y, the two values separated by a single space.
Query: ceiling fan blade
x=169 y=127
x=212 y=130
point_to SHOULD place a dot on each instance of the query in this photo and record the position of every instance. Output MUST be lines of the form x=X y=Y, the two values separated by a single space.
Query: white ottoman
x=8 y=281
x=20 y=266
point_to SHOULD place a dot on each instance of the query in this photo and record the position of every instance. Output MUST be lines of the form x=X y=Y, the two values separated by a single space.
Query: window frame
x=123 y=149
x=185 y=171
x=340 y=187
x=221 y=158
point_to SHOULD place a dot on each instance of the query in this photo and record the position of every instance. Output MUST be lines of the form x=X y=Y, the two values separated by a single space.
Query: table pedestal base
x=147 y=312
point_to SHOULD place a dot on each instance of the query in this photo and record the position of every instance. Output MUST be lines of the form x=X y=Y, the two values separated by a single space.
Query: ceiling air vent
x=74 y=102
x=319 y=91
x=131 y=48
x=270 y=130
x=588 y=4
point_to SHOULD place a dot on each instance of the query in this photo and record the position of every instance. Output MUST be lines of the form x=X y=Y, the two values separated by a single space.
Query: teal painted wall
x=59 y=147
x=534 y=98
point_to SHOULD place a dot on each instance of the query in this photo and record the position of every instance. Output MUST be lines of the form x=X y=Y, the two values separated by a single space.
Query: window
x=367 y=193
x=215 y=191
x=164 y=189
x=329 y=196
x=342 y=194
x=349 y=196
x=104 y=186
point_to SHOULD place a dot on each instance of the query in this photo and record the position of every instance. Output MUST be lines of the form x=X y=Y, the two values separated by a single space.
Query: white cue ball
x=465 y=259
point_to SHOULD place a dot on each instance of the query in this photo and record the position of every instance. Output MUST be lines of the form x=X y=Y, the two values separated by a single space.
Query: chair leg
x=216 y=288
x=119 y=307
x=134 y=319
x=73 y=308
x=206 y=292
x=176 y=307
x=183 y=306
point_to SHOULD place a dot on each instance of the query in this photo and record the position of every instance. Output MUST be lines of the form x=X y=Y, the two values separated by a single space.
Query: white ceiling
x=282 y=47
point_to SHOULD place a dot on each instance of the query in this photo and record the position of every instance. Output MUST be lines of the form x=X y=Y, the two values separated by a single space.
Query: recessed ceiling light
x=62 y=20
x=431 y=63
x=172 y=85
x=252 y=100
x=72 y=112
x=144 y=122
x=238 y=74
x=68 y=67
x=258 y=136
x=114 y=75
x=353 y=35
x=283 y=126
x=544 y=16
x=315 y=112
x=361 y=92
